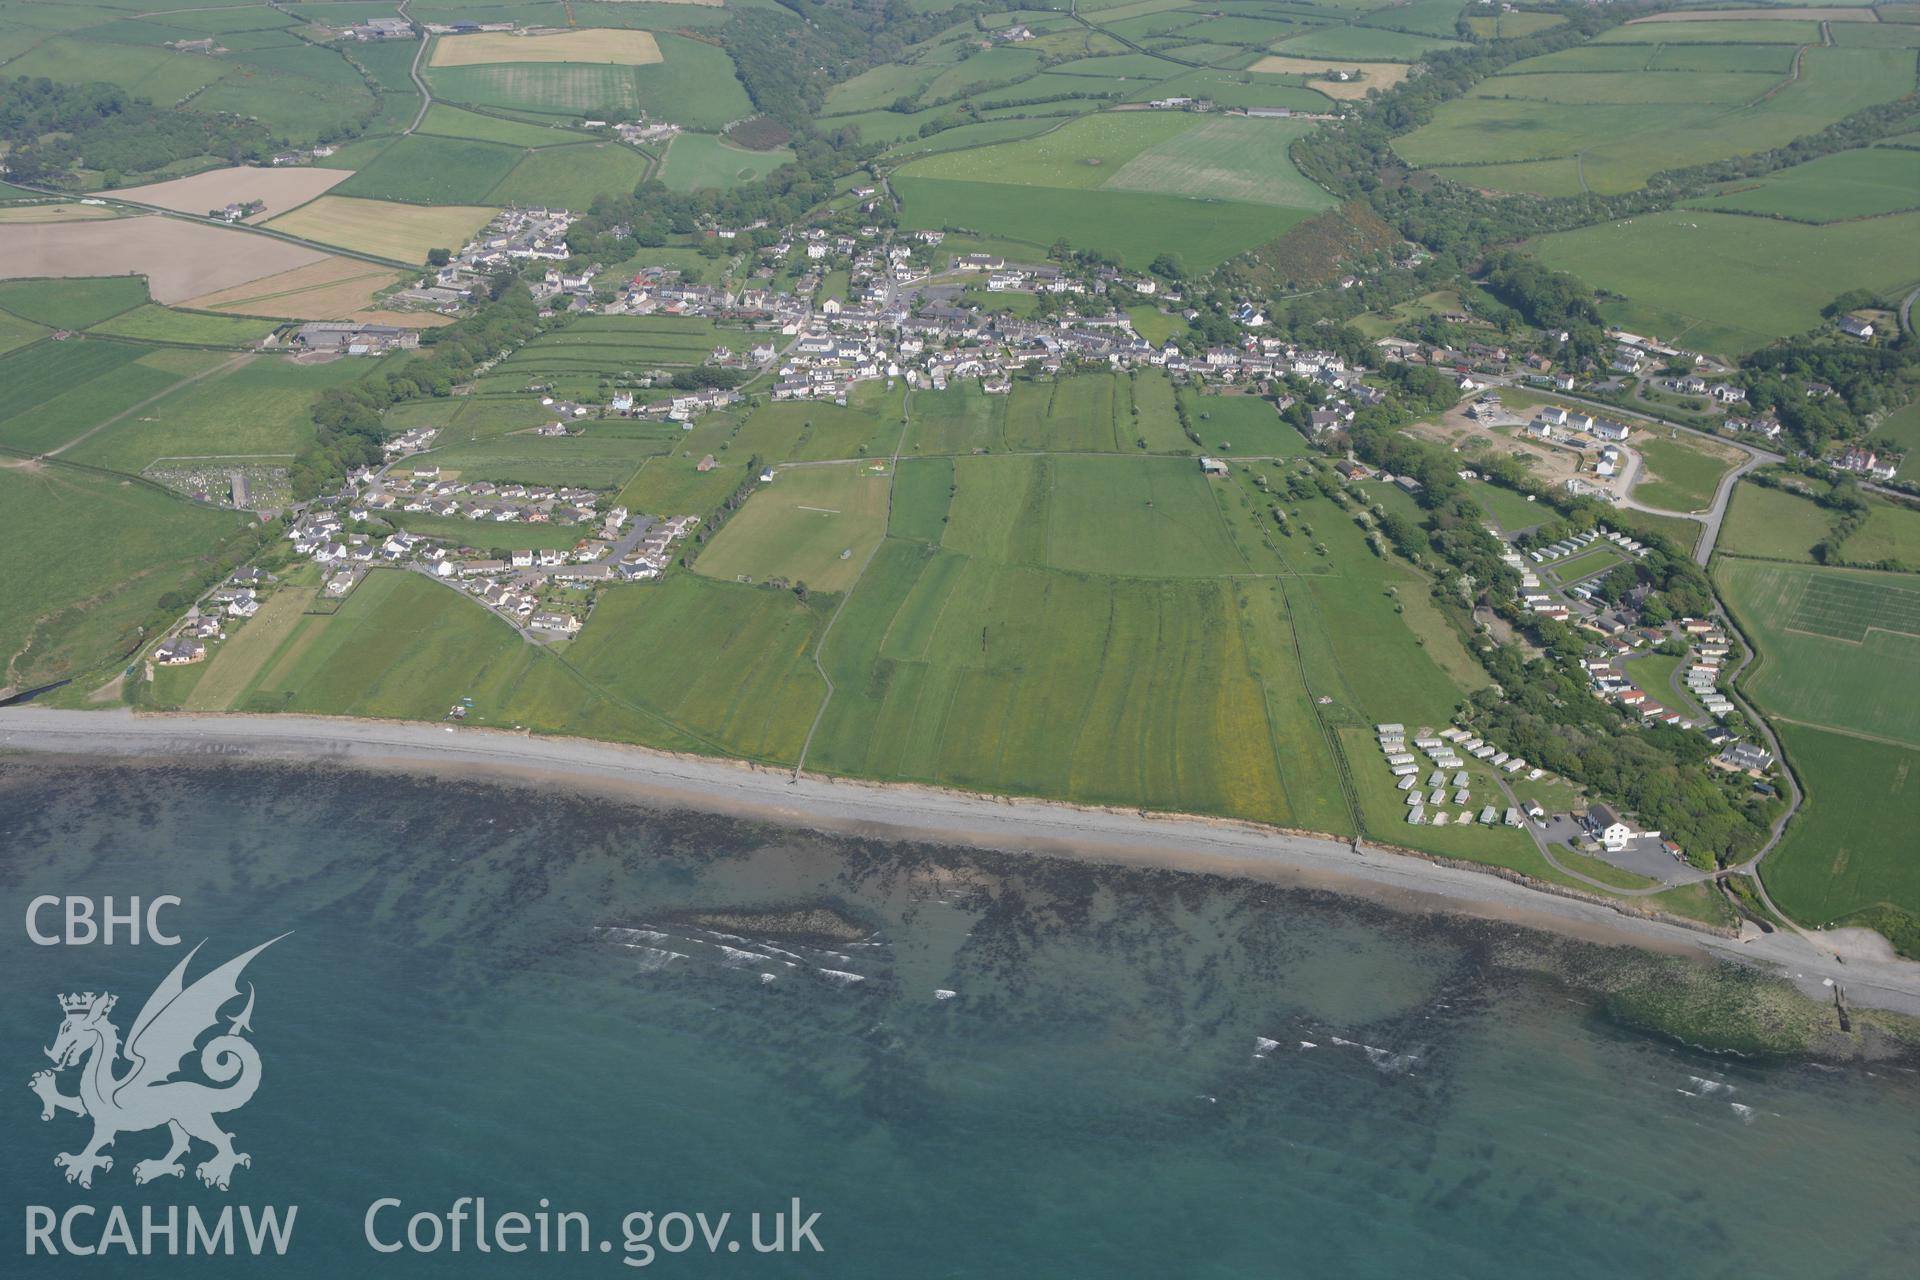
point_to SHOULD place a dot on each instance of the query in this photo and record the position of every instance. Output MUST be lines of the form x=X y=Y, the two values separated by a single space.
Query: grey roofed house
x=1745 y=755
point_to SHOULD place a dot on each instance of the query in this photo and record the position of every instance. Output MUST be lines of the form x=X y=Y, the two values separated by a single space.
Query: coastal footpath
x=1859 y=961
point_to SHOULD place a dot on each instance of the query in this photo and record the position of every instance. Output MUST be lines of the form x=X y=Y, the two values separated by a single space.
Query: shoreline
x=1872 y=976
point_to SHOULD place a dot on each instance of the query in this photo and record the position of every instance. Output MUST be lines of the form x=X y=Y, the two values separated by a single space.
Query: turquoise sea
x=510 y=993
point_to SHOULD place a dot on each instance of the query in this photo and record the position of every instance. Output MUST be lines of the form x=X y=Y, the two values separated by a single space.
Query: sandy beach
x=1871 y=974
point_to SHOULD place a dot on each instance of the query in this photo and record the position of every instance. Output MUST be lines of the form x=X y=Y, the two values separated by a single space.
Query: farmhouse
x=343 y=338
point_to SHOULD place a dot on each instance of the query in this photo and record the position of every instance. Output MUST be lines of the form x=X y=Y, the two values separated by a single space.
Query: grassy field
x=1840 y=648
x=1511 y=510
x=259 y=405
x=599 y=345
x=1846 y=858
x=1082 y=154
x=591 y=461
x=52 y=393
x=694 y=85
x=1682 y=472
x=1838 y=673
x=225 y=676
x=1361 y=44
x=955 y=669
x=452 y=122
x=740 y=678
x=1848 y=184
x=1772 y=524
x=401 y=232
x=571 y=176
x=405 y=647
x=421 y=170
x=72 y=303
x=155 y=323
x=1146 y=167
x=16 y=333
x=1138 y=517
x=1135 y=226
x=1240 y=425
x=90 y=557
x=1612 y=117
x=1089 y=412
x=813 y=524
x=1231 y=158
x=1901 y=429
x=1728 y=284
x=697 y=160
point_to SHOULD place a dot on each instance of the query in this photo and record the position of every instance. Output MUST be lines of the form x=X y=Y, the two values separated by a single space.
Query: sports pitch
x=812 y=524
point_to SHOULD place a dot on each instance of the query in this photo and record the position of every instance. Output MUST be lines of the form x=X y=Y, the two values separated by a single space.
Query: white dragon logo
x=146 y=1096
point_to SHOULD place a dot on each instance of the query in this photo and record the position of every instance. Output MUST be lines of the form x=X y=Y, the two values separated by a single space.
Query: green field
x=740 y=679
x=1728 y=284
x=1134 y=517
x=156 y=323
x=53 y=392
x=73 y=303
x=1230 y=158
x=694 y=86
x=954 y=669
x=1682 y=473
x=1847 y=858
x=1135 y=226
x=422 y=170
x=697 y=160
x=1773 y=524
x=1078 y=414
x=405 y=647
x=571 y=176
x=16 y=333
x=813 y=524
x=452 y=122
x=603 y=345
x=1240 y=425
x=1608 y=129
x=1362 y=44
x=1840 y=648
x=1901 y=429
x=1848 y=184
x=1085 y=153
x=1146 y=167
x=258 y=405
x=89 y=557
x=1838 y=673
x=592 y=461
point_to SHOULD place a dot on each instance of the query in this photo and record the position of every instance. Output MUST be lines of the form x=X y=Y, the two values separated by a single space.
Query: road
x=1906 y=310
x=1714 y=516
x=426 y=94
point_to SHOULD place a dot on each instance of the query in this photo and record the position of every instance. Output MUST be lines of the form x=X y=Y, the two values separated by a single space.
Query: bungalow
x=179 y=652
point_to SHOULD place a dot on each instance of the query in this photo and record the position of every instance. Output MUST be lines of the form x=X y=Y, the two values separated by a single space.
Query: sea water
x=966 y=1064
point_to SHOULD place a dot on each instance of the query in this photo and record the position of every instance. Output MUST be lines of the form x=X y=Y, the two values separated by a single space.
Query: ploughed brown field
x=181 y=260
x=281 y=189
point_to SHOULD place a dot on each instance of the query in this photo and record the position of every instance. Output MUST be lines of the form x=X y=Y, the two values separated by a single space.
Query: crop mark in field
x=825 y=511
x=1848 y=608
